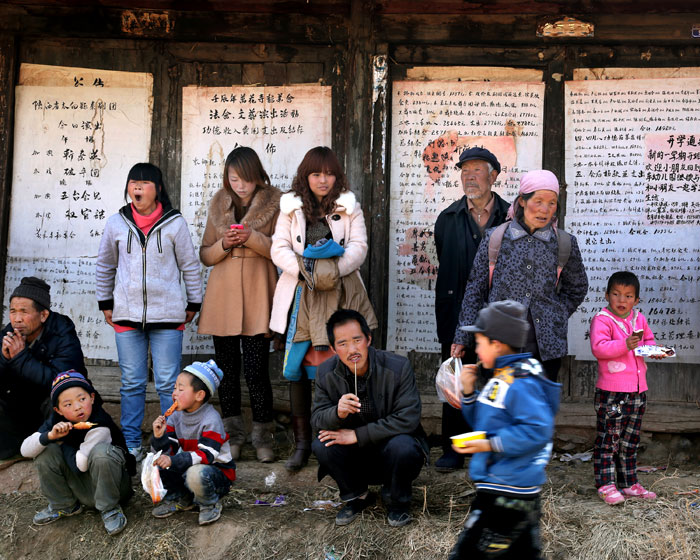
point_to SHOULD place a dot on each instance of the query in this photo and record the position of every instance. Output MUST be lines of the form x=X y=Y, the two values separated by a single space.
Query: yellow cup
x=461 y=439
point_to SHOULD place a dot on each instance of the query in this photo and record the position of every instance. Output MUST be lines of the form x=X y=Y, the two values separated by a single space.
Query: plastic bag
x=448 y=382
x=150 y=478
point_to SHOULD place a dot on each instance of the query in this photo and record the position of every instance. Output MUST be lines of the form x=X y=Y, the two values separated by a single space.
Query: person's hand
x=189 y=315
x=633 y=341
x=348 y=404
x=159 y=426
x=60 y=430
x=468 y=377
x=236 y=237
x=164 y=462
x=12 y=344
x=337 y=437
x=108 y=317
x=243 y=234
x=473 y=446
x=457 y=350
x=278 y=343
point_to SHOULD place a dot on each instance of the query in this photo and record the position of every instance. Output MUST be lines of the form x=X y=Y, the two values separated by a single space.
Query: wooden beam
x=8 y=56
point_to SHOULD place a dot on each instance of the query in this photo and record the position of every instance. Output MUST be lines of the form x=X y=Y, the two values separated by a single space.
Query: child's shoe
x=49 y=515
x=209 y=514
x=638 y=491
x=167 y=507
x=114 y=520
x=610 y=494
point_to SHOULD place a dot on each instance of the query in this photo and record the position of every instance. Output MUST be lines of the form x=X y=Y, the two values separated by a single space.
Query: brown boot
x=235 y=428
x=301 y=426
x=262 y=441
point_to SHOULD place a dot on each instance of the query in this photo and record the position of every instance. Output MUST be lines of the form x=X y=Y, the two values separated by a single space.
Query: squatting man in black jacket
x=37 y=344
x=367 y=410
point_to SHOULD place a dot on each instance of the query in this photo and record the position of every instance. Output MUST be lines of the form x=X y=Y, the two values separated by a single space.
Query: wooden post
x=7 y=106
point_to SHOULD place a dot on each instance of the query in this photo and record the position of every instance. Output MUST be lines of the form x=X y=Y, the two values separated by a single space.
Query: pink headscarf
x=536 y=180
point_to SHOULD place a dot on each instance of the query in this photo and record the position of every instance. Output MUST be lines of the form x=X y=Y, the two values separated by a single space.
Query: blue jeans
x=206 y=483
x=132 y=348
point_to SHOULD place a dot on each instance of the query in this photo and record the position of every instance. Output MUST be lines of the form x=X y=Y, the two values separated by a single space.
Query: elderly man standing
x=458 y=232
x=36 y=345
x=367 y=410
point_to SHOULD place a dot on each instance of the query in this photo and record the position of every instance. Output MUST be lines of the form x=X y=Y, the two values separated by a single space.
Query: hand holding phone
x=236 y=226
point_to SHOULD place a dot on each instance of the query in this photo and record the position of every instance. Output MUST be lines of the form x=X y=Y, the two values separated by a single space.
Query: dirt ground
x=575 y=523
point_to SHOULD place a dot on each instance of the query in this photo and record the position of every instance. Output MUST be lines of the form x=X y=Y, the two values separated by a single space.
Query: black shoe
x=352 y=509
x=398 y=518
x=450 y=461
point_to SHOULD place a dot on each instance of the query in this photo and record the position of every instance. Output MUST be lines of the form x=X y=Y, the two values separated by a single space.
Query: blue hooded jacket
x=516 y=409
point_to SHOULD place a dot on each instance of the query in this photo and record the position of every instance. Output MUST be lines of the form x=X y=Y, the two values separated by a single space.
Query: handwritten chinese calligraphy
x=433 y=122
x=633 y=168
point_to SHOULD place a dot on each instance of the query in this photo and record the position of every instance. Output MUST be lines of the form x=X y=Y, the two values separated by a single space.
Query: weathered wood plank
x=7 y=104
x=508 y=29
x=99 y=21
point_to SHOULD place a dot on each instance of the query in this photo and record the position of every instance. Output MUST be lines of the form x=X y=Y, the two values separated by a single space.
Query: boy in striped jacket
x=196 y=466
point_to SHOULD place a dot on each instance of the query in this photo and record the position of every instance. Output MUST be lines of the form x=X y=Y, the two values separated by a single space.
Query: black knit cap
x=505 y=321
x=35 y=289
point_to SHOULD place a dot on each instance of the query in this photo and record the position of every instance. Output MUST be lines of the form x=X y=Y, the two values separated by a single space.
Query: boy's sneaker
x=209 y=514
x=114 y=520
x=610 y=494
x=49 y=515
x=352 y=509
x=638 y=491
x=398 y=518
x=138 y=453
x=167 y=507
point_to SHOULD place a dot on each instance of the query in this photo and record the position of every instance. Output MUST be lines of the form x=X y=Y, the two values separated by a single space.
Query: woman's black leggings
x=255 y=369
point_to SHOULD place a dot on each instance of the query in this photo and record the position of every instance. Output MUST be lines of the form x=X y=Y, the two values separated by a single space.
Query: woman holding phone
x=238 y=298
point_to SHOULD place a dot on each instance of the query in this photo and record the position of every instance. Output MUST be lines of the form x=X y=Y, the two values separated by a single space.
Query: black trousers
x=500 y=527
x=394 y=463
x=255 y=356
x=16 y=424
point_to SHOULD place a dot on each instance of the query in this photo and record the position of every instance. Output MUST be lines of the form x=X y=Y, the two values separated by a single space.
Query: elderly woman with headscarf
x=530 y=261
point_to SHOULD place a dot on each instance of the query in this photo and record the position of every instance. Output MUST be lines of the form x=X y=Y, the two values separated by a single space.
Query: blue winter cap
x=210 y=374
x=478 y=153
x=66 y=380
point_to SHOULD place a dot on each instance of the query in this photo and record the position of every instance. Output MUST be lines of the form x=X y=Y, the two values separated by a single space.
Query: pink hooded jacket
x=618 y=368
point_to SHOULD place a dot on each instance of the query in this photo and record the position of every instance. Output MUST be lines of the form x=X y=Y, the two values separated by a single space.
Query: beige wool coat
x=347 y=225
x=238 y=298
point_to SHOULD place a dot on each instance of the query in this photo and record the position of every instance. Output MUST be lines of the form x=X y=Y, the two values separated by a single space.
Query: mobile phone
x=236 y=226
x=639 y=333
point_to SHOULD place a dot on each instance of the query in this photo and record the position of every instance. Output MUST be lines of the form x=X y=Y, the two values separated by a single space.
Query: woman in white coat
x=320 y=242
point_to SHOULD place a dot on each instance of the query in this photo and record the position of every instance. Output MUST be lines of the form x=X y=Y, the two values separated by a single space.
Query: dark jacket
x=391 y=384
x=25 y=380
x=457 y=238
x=526 y=271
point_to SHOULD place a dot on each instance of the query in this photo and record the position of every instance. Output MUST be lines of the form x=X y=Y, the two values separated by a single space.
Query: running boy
x=516 y=409
x=81 y=456
x=198 y=468
x=620 y=395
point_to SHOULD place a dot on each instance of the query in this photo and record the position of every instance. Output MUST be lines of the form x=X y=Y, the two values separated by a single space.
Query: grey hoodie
x=139 y=277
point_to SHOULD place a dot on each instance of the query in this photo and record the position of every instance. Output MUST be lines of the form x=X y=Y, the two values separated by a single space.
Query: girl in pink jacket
x=620 y=395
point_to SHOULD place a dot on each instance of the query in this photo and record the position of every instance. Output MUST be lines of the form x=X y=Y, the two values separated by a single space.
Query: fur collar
x=290 y=202
x=261 y=211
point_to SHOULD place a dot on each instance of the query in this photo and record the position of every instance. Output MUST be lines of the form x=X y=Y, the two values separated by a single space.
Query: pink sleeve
x=603 y=344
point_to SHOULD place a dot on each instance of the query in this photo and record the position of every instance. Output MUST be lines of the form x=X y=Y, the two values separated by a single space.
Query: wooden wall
x=336 y=42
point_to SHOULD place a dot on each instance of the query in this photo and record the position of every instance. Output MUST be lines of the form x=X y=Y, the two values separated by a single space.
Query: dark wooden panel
x=298 y=73
x=535 y=6
x=7 y=105
x=100 y=22
x=275 y=74
x=521 y=29
x=253 y=74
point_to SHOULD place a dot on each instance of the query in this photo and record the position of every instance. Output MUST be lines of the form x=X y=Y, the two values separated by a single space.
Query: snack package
x=150 y=478
x=448 y=380
x=653 y=350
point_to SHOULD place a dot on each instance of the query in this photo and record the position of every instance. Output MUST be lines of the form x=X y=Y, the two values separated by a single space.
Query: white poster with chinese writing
x=280 y=123
x=73 y=148
x=432 y=123
x=633 y=175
